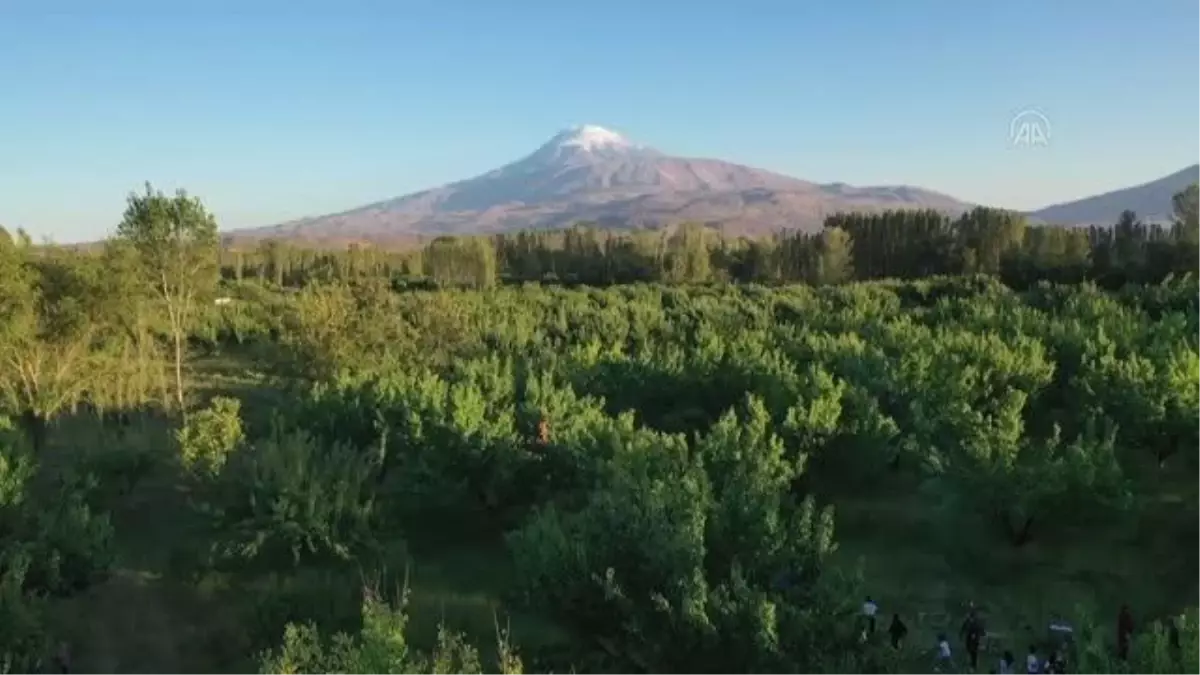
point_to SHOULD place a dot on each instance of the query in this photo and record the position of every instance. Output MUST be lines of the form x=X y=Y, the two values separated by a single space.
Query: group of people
x=973 y=632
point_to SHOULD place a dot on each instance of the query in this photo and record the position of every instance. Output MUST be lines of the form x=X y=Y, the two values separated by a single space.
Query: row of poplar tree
x=903 y=244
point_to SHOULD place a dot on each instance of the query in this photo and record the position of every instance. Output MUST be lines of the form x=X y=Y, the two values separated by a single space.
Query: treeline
x=906 y=244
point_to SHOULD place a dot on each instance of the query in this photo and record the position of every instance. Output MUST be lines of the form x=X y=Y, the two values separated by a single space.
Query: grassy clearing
x=464 y=585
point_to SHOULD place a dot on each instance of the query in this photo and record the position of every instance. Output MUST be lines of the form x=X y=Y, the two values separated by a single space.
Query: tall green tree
x=52 y=327
x=134 y=370
x=1187 y=207
x=1177 y=255
x=457 y=261
x=696 y=560
x=986 y=236
x=835 y=261
x=688 y=258
x=176 y=241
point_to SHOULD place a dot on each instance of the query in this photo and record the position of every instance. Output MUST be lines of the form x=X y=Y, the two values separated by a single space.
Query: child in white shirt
x=1033 y=665
x=869 y=609
x=943 y=651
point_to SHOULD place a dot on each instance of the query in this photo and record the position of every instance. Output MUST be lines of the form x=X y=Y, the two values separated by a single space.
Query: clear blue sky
x=275 y=109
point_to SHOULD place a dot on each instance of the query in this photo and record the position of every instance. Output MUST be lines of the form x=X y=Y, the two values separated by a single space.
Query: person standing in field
x=897 y=631
x=972 y=633
x=1033 y=664
x=869 y=609
x=943 y=654
x=1007 y=663
x=62 y=658
x=1058 y=663
x=1124 y=632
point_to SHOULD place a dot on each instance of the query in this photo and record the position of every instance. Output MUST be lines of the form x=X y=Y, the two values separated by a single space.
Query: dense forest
x=601 y=452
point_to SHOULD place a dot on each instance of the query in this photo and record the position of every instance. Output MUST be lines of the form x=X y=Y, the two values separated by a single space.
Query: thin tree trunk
x=179 y=369
x=35 y=428
x=1018 y=536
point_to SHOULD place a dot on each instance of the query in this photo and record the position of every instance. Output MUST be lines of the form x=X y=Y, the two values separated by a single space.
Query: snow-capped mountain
x=590 y=138
x=589 y=173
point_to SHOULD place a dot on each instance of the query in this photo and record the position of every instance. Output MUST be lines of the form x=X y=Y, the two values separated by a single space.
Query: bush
x=68 y=545
x=694 y=559
x=380 y=647
x=51 y=544
x=288 y=497
x=208 y=436
x=23 y=640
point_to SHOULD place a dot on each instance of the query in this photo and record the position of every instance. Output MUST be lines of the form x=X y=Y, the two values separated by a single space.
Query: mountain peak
x=591 y=173
x=590 y=137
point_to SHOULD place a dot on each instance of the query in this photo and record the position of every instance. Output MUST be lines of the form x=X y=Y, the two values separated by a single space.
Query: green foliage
x=327 y=598
x=51 y=545
x=288 y=497
x=46 y=518
x=835 y=257
x=55 y=330
x=688 y=259
x=690 y=559
x=1078 y=481
x=16 y=470
x=1168 y=646
x=73 y=545
x=1186 y=205
x=209 y=436
x=175 y=240
x=658 y=456
x=318 y=321
x=380 y=647
x=450 y=261
x=24 y=640
x=676 y=533
x=247 y=315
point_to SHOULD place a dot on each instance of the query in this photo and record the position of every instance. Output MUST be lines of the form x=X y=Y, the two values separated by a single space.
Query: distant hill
x=592 y=174
x=1151 y=201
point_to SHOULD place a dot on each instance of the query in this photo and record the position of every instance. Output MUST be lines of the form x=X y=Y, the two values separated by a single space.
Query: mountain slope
x=1151 y=201
x=592 y=174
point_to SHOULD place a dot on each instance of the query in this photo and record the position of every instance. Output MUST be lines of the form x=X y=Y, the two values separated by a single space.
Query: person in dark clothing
x=62 y=658
x=972 y=634
x=1124 y=632
x=1058 y=662
x=1008 y=663
x=897 y=631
